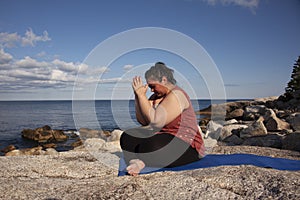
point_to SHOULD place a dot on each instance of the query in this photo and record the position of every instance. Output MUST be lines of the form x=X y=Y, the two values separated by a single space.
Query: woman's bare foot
x=135 y=167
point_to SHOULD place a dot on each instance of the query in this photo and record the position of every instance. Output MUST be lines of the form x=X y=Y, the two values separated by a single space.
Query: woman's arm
x=138 y=87
x=140 y=118
x=171 y=107
x=154 y=102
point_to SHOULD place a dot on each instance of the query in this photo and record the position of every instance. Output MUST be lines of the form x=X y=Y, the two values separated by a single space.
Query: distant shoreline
x=64 y=100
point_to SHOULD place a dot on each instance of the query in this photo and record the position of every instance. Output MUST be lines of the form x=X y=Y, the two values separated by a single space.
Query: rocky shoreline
x=265 y=122
x=78 y=174
x=89 y=171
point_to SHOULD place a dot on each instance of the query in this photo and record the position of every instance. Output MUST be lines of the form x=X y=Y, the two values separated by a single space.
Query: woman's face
x=157 y=87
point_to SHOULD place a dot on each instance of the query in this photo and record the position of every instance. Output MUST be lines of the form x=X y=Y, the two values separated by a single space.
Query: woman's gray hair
x=159 y=70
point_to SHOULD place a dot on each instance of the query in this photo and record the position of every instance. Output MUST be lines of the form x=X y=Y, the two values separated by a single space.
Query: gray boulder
x=257 y=128
x=213 y=130
x=91 y=133
x=235 y=114
x=270 y=140
x=292 y=141
x=294 y=120
x=226 y=131
x=273 y=123
x=44 y=134
x=233 y=140
x=115 y=135
x=253 y=112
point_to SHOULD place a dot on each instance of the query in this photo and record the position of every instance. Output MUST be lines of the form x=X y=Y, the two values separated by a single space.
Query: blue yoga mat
x=214 y=160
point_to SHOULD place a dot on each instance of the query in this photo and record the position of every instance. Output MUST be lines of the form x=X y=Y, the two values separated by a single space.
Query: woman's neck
x=169 y=87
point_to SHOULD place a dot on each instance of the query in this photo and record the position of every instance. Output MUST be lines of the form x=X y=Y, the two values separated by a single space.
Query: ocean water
x=67 y=115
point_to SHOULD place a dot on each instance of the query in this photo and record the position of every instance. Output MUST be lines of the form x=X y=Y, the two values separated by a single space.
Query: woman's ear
x=164 y=79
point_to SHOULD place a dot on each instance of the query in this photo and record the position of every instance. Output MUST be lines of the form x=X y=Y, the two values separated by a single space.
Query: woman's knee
x=124 y=140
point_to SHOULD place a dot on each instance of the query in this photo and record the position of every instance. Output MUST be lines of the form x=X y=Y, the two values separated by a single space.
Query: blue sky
x=44 y=45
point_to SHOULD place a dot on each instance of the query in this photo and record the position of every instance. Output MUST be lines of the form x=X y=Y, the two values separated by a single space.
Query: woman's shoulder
x=181 y=96
x=179 y=90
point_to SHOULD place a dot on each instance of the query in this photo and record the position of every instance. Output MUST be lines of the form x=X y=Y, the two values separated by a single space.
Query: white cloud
x=32 y=74
x=110 y=80
x=65 y=66
x=251 y=4
x=9 y=40
x=30 y=38
x=59 y=75
x=71 y=67
x=41 y=54
x=98 y=71
x=128 y=67
x=80 y=68
x=6 y=79
x=29 y=62
x=26 y=75
x=5 y=58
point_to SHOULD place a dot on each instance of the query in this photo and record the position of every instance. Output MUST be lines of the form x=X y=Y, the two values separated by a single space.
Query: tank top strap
x=185 y=94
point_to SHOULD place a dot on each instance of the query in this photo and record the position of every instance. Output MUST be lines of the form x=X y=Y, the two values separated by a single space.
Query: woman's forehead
x=151 y=81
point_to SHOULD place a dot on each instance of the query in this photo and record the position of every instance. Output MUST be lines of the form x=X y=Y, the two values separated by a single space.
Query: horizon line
x=1 y=100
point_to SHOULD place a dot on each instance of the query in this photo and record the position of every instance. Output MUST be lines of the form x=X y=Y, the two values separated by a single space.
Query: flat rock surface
x=81 y=175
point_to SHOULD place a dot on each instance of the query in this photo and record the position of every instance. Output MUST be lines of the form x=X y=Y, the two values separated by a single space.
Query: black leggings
x=156 y=150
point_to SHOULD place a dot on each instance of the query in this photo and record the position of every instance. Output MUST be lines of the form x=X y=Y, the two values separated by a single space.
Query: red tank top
x=185 y=127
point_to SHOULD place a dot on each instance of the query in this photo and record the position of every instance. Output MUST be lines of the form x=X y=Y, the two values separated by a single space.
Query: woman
x=171 y=137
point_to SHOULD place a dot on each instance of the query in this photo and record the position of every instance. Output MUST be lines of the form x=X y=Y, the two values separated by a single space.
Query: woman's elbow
x=157 y=124
x=158 y=121
x=143 y=123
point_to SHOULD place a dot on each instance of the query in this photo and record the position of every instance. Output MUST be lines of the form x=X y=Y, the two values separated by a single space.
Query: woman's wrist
x=138 y=93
